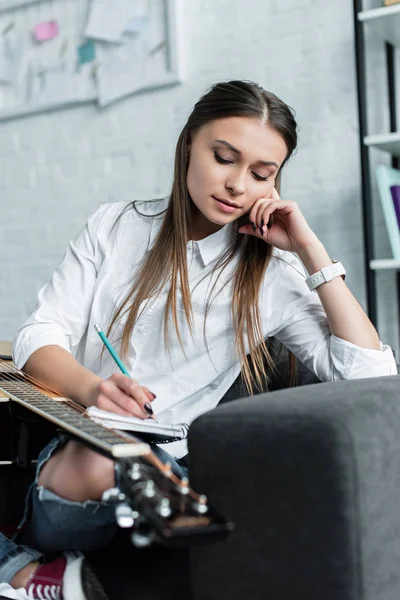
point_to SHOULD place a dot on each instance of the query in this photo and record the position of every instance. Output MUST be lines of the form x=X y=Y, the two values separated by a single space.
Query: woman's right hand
x=122 y=395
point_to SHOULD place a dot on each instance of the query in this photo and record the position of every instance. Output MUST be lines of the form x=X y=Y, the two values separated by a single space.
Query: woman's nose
x=236 y=186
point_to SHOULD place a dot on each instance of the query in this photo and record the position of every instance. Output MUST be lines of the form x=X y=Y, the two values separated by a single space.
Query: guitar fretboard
x=114 y=444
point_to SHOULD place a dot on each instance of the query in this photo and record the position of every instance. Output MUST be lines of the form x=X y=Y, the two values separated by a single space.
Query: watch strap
x=326 y=274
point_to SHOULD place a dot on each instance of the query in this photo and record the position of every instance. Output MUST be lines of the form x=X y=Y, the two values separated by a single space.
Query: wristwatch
x=326 y=274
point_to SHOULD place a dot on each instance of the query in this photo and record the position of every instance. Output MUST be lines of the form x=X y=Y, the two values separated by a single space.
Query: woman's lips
x=225 y=207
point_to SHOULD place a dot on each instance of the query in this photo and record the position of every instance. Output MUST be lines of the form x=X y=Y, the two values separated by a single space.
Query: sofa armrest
x=311 y=478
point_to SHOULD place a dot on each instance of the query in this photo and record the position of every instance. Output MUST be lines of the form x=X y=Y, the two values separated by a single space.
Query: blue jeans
x=52 y=524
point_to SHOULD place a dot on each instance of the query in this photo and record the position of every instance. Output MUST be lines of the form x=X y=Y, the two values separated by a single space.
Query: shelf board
x=385 y=21
x=389 y=142
x=384 y=263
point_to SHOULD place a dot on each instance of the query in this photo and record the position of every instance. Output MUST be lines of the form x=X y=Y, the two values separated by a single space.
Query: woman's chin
x=214 y=215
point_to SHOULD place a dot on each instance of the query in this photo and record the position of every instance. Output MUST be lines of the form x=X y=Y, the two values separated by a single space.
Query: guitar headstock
x=160 y=507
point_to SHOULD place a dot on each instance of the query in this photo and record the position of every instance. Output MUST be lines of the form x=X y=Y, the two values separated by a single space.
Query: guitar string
x=40 y=384
x=12 y=374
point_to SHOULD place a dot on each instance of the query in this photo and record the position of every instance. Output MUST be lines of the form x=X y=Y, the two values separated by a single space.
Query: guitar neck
x=64 y=414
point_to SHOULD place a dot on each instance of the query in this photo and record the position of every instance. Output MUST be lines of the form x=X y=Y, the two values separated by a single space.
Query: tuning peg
x=141 y=540
x=149 y=490
x=125 y=515
x=184 y=486
x=164 y=508
x=136 y=472
x=201 y=506
x=113 y=495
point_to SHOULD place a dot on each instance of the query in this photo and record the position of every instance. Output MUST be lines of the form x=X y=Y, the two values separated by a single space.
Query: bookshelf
x=385 y=23
x=384 y=263
x=389 y=142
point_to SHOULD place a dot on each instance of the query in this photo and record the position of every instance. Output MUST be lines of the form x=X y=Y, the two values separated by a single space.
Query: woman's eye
x=223 y=161
x=259 y=178
x=219 y=159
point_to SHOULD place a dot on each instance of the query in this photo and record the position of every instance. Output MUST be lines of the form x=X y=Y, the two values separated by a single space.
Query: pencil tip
x=97 y=328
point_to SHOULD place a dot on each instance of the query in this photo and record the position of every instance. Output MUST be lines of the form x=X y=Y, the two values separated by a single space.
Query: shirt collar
x=213 y=245
x=209 y=248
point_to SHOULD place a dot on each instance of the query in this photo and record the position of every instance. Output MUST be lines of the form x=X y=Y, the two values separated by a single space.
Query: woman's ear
x=278 y=179
x=188 y=142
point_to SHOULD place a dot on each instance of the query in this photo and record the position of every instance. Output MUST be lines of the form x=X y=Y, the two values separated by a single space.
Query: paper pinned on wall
x=86 y=52
x=6 y=71
x=122 y=71
x=51 y=82
x=10 y=56
x=108 y=19
x=136 y=24
x=139 y=18
x=45 y=31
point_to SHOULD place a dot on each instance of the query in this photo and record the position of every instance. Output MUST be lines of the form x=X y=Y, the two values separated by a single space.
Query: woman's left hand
x=289 y=230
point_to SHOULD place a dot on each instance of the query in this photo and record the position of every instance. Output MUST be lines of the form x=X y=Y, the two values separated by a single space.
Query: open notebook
x=148 y=429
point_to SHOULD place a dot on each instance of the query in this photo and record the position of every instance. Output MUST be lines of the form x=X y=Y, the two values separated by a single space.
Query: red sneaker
x=69 y=577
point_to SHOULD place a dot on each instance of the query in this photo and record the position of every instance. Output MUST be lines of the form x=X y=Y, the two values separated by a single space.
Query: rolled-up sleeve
x=360 y=363
x=299 y=321
x=61 y=314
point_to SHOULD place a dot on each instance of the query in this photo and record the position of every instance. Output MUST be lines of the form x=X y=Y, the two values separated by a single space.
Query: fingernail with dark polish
x=148 y=409
x=269 y=225
x=261 y=231
x=262 y=222
x=254 y=226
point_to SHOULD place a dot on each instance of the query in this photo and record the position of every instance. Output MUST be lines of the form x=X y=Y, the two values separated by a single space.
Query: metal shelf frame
x=366 y=191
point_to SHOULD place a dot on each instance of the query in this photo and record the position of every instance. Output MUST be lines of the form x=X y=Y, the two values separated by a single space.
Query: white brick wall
x=56 y=168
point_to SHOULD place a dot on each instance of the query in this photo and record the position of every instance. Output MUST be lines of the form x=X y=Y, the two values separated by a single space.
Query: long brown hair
x=167 y=260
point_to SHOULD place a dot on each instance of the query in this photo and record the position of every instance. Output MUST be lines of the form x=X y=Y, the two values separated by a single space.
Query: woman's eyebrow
x=267 y=163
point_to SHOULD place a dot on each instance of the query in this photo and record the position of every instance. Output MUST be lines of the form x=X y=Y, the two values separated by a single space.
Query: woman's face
x=234 y=159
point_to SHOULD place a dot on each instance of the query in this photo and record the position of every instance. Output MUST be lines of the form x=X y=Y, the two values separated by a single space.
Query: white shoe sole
x=72 y=581
x=79 y=576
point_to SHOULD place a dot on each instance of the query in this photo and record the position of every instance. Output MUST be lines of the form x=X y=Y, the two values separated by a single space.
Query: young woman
x=188 y=287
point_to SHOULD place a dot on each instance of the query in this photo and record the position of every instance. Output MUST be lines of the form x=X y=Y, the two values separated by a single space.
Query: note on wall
x=138 y=63
x=46 y=31
x=10 y=55
x=122 y=71
x=136 y=24
x=52 y=82
x=108 y=19
x=86 y=52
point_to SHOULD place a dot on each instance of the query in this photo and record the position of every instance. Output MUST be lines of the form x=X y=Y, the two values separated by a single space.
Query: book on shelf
x=388 y=177
x=395 y=191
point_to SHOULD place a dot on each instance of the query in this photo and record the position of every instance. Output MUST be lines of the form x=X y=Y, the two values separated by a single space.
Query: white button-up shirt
x=98 y=270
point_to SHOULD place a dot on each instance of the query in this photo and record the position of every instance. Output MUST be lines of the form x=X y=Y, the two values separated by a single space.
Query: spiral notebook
x=148 y=429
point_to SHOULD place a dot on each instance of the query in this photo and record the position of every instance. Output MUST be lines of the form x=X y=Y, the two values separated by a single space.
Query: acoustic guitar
x=151 y=501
